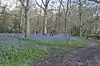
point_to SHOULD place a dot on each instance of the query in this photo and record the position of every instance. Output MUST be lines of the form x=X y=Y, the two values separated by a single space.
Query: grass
x=24 y=53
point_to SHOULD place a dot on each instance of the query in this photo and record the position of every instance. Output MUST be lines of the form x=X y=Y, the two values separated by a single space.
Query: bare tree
x=59 y=16
x=66 y=14
x=26 y=6
x=44 y=7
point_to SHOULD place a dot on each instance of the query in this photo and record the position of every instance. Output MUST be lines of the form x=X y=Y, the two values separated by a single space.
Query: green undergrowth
x=18 y=56
x=65 y=44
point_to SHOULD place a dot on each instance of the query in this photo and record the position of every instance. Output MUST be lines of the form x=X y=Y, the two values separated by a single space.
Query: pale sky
x=9 y=3
x=12 y=3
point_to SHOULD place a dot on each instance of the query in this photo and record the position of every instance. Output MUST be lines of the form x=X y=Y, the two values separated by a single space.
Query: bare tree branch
x=39 y=4
x=30 y=6
x=30 y=1
x=47 y=2
x=27 y=3
x=22 y=3
x=43 y=2
x=61 y=2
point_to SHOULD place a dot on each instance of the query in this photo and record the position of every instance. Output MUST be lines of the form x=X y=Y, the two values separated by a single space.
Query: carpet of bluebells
x=16 y=50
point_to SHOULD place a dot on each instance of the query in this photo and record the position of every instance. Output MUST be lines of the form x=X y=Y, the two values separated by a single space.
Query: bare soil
x=84 y=56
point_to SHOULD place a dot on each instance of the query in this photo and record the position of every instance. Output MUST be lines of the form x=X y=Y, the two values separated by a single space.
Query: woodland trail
x=84 y=56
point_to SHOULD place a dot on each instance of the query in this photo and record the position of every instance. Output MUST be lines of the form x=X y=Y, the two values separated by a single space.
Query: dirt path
x=86 y=56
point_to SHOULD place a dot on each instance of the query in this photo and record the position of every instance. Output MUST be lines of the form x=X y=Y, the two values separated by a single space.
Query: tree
x=65 y=17
x=44 y=7
x=26 y=6
x=3 y=19
x=67 y=13
x=17 y=19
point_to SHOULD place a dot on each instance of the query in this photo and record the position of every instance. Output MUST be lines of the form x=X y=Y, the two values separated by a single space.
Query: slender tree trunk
x=80 y=16
x=21 y=21
x=5 y=20
x=37 y=24
x=70 y=17
x=45 y=22
x=65 y=24
x=54 y=20
x=28 y=26
x=59 y=16
x=25 y=4
x=66 y=19
x=25 y=22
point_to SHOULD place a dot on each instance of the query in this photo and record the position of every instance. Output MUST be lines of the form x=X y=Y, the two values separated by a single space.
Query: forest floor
x=83 y=56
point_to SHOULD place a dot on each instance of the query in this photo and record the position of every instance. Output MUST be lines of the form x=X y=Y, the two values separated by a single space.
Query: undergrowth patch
x=24 y=53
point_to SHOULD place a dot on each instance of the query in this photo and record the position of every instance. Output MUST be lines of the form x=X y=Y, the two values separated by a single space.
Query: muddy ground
x=84 y=56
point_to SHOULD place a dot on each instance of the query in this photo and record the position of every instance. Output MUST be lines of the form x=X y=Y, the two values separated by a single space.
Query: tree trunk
x=26 y=12
x=66 y=19
x=28 y=27
x=21 y=21
x=45 y=22
x=37 y=24
x=80 y=16
x=58 y=21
